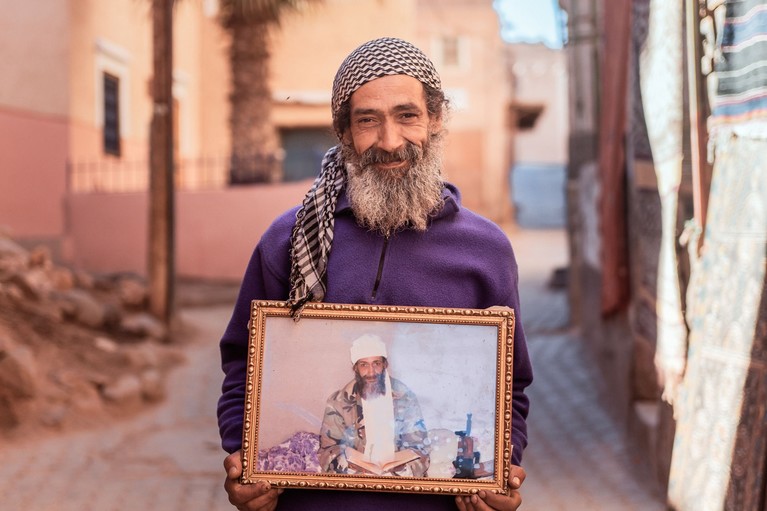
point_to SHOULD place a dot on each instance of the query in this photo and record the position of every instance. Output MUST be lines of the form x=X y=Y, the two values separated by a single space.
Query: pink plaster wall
x=33 y=156
x=215 y=230
x=107 y=232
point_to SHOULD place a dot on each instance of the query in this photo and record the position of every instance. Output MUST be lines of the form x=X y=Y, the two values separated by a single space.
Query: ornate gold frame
x=502 y=319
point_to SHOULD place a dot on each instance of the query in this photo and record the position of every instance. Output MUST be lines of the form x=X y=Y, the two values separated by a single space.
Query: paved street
x=577 y=457
x=168 y=458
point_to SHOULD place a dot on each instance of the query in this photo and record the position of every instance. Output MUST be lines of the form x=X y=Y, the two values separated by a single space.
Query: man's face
x=393 y=155
x=389 y=114
x=370 y=374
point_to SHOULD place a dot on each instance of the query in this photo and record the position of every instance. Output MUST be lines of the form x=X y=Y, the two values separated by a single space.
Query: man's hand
x=486 y=501
x=259 y=496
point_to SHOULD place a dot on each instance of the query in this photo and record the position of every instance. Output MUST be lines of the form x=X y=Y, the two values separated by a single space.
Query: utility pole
x=161 y=267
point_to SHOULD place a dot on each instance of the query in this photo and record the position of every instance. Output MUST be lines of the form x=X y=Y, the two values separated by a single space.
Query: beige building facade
x=539 y=75
x=75 y=108
x=75 y=103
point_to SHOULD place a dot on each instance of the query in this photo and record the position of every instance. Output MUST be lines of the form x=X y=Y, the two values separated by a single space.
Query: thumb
x=233 y=465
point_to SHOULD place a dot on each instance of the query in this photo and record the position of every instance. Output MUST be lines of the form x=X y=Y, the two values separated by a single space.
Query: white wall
x=540 y=75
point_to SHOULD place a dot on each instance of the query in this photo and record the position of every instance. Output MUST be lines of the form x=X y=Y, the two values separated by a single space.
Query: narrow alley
x=577 y=457
x=168 y=458
x=146 y=147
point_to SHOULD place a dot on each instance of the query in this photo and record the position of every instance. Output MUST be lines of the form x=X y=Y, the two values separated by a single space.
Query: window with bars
x=111 y=114
x=450 y=51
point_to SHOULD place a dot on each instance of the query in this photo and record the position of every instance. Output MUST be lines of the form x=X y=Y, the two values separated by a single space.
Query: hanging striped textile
x=742 y=67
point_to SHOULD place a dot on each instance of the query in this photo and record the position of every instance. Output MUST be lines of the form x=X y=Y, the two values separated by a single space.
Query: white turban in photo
x=366 y=346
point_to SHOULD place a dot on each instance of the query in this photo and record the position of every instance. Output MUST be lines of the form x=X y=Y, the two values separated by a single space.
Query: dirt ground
x=66 y=376
x=74 y=377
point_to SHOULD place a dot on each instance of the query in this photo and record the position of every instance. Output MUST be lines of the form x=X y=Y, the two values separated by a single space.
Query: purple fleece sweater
x=462 y=260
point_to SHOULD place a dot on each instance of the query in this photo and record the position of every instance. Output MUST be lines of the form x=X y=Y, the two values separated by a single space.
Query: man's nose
x=389 y=137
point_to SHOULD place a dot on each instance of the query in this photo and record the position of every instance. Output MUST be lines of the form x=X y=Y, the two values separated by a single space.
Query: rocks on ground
x=76 y=349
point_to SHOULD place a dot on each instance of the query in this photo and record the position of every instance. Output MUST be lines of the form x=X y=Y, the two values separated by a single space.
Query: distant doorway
x=538 y=194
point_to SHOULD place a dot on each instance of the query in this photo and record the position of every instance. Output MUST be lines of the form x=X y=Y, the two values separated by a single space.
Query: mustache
x=407 y=151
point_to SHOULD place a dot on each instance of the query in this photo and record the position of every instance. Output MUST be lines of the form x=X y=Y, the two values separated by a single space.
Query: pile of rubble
x=75 y=348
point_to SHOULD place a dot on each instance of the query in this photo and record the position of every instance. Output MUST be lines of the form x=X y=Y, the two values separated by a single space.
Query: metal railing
x=114 y=175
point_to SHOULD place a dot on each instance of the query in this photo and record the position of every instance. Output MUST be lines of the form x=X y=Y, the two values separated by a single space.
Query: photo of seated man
x=373 y=424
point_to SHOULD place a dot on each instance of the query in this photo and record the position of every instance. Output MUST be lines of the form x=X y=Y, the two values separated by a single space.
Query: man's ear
x=435 y=124
x=346 y=138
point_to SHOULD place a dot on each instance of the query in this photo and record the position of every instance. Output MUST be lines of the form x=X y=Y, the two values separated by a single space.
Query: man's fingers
x=517 y=476
x=259 y=495
x=233 y=465
x=240 y=494
x=500 y=501
x=252 y=496
x=464 y=503
x=265 y=502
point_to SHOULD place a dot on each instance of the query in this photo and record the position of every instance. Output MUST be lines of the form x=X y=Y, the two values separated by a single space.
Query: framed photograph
x=379 y=398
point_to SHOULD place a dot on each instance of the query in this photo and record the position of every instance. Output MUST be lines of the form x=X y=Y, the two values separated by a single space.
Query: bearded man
x=399 y=236
x=373 y=417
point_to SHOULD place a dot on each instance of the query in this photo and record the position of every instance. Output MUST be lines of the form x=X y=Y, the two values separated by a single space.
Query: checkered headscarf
x=312 y=236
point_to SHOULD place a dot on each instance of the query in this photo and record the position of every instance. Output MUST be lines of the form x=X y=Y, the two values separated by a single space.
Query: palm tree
x=254 y=138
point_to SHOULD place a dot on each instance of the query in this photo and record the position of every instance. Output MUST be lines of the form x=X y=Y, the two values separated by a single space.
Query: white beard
x=390 y=201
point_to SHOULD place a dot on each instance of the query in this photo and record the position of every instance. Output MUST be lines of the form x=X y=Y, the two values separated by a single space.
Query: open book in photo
x=362 y=463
